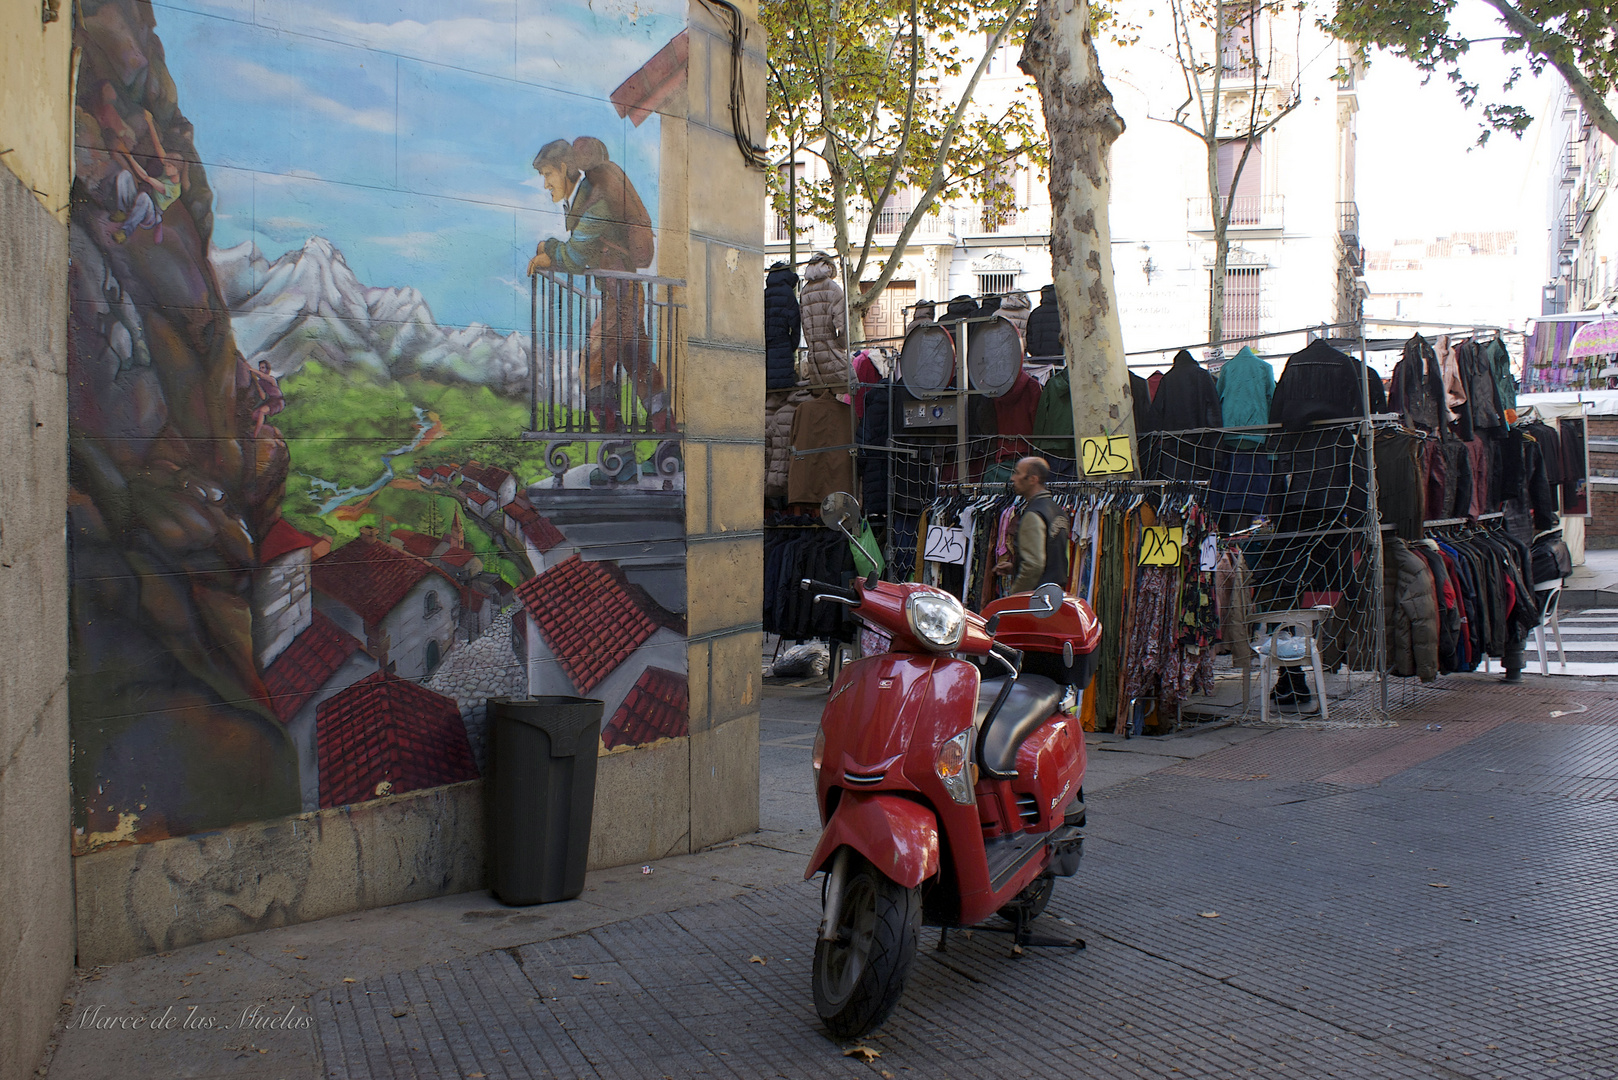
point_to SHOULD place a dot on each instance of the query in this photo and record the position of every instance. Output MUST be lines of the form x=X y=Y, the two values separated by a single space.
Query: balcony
x=1567 y=231
x=1348 y=223
x=1247 y=212
x=1572 y=157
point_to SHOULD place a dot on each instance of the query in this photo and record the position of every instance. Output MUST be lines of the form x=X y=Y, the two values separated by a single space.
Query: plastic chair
x=1283 y=627
x=1549 y=613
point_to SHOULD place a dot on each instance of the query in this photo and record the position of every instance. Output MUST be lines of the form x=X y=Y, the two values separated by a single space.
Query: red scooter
x=947 y=793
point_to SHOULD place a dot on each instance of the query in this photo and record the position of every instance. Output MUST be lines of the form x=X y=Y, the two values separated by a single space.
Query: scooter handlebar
x=824 y=590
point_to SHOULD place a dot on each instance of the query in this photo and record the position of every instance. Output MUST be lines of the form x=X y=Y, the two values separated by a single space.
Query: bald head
x=1030 y=476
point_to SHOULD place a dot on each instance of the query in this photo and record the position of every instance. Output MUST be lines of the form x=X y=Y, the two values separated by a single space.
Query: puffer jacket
x=1412 y=612
x=778 y=412
x=781 y=326
x=960 y=307
x=1044 y=334
x=1014 y=308
x=825 y=325
x=874 y=431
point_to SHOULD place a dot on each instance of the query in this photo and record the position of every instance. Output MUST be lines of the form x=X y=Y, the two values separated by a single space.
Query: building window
x=996 y=283
x=1249 y=201
x=1243 y=301
x=430 y=605
x=1004 y=60
x=894 y=213
x=1238 y=48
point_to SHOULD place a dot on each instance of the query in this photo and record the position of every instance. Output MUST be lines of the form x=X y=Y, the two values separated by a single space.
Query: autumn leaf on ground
x=581 y=976
x=1437 y=885
x=1209 y=914
x=756 y=959
x=864 y=1053
x=348 y=980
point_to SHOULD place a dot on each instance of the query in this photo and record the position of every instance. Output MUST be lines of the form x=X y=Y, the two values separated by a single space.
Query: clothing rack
x=1444 y=523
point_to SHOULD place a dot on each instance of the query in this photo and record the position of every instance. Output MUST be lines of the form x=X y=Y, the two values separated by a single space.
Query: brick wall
x=1601 y=530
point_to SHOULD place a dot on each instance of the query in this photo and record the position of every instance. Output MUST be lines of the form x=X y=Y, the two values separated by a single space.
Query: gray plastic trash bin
x=541 y=785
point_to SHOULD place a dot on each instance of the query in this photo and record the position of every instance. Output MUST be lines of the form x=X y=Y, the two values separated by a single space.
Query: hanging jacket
x=1017 y=410
x=1015 y=308
x=1454 y=389
x=782 y=325
x=825 y=325
x=875 y=430
x=1045 y=326
x=1318 y=383
x=1412 y=613
x=1054 y=417
x=1418 y=385
x=959 y=308
x=1246 y=386
x=1505 y=383
x=865 y=375
x=923 y=312
x=989 y=305
x=1481 y=393
x=1141 y=396
x=821 y=421
x=778 y=412
x=1186 y=399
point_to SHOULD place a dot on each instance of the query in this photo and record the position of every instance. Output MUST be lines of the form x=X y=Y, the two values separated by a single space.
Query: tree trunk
x=1216 y=277
x=1082 y=125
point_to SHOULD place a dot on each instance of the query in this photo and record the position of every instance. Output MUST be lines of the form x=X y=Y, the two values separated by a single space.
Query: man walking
x=608 y=230
x=1042 y=531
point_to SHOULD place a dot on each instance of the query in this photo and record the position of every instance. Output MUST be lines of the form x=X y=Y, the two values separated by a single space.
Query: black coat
x=961 y=307
x=875 y=430
x=1320 y=383
x=1044 y=334
x=1187 y=398
x=782 y=323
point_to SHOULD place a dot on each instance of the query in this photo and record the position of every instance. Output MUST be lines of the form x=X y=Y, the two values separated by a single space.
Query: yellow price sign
x=1162 y=545
x=1106 y=455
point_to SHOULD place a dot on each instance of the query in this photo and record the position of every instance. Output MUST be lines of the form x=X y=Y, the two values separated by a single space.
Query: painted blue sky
x=406 y=137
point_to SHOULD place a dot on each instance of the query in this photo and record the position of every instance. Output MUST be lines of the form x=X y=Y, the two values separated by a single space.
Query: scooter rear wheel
x=858 y=977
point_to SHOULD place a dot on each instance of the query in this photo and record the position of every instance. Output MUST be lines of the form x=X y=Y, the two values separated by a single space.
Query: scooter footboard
x=898 y=836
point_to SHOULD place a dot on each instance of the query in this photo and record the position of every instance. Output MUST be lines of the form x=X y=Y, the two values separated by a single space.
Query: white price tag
x=945 y=545
x=1210 y=552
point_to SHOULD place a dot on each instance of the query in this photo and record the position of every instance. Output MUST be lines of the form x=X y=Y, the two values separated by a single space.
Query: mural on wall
x=373 y=384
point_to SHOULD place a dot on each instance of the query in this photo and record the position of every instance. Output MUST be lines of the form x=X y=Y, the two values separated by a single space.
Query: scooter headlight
x=954 y=757
x=937 y=619
x=819 y=754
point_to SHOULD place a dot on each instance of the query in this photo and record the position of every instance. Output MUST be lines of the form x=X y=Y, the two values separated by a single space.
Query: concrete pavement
x=1363 y=900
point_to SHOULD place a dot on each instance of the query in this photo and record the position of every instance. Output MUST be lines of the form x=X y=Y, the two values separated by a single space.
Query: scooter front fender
x=898 y=836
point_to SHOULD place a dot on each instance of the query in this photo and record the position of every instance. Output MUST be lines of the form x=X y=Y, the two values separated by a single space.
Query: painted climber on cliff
x=608 y=229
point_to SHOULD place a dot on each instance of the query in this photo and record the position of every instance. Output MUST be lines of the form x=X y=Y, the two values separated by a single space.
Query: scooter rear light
x=819 y=753
x=953 y=765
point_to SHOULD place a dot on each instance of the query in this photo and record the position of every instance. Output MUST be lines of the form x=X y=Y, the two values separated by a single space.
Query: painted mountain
x=309 y=305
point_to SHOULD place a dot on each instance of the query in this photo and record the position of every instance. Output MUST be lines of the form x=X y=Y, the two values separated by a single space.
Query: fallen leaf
x=221 y=952
x=300 y=958
x=887 y=1074
x=1209 y=914
x=755 y=959
x=400 y=1012
x=864 y=1053
x=474 y=1076
x=604 y=982
x=1437 y=885
x=581 y=976
x=348 y=980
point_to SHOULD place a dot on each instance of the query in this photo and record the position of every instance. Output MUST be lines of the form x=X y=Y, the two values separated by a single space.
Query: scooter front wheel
x=859 y=976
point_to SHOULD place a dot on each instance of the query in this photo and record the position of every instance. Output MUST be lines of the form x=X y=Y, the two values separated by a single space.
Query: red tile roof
x=658 y=707
x=370 y=577
x=535 y=526
x=282 y=538
x=304 y=666
x=385 y=729
x=590 y=618
x=490 y=476
x=654 y=82
x=476 y=497
x=444 y=470
x=418 y=544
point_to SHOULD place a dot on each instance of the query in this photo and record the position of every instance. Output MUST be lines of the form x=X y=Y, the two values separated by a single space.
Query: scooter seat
x=1033 y=699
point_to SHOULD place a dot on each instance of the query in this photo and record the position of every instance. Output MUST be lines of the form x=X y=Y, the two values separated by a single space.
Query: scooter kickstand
x=943 y=939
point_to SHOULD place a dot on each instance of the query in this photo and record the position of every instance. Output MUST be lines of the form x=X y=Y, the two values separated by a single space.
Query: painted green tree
x=1577 y=40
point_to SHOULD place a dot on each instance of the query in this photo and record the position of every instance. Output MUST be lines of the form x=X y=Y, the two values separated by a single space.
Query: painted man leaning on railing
x=609 y=233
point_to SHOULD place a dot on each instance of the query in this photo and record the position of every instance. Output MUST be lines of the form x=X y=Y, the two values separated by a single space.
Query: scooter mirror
x=840 y=511
x=1045 y=601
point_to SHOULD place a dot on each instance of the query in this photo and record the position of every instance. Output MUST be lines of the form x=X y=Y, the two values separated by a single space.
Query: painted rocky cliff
x=170 y=487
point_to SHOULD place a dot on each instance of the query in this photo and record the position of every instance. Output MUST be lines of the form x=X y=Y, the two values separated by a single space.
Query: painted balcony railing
x=604 y=364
